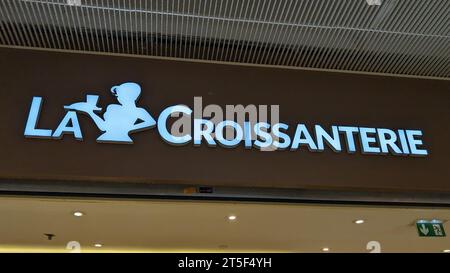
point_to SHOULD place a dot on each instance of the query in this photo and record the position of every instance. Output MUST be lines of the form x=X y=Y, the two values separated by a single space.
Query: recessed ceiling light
x=98 y=245
x=232 y=217
x=78 y=214
x=74 y=2
x=359 y=221
x=373 y=2
x=446 y=250
x=325 y=249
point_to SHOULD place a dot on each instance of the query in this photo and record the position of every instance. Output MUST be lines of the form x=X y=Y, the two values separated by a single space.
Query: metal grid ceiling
x=409 y=37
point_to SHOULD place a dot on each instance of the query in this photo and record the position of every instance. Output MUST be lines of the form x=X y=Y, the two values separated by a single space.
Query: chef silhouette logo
x=119 y=120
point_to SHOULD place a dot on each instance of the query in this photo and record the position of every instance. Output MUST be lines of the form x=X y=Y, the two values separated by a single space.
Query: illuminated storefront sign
x=124 y=118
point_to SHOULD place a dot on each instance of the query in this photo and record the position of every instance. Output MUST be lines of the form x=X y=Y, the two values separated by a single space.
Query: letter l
x=33 y=117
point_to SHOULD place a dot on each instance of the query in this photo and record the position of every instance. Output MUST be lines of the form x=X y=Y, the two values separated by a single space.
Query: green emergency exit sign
x=430 y=229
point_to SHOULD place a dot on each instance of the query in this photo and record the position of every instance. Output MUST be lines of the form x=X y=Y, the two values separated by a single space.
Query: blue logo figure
x=121 y=119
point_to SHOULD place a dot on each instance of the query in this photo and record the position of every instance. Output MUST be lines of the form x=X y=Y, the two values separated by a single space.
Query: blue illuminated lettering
x=33 y=118
x=64 y=128
x=162 y=123
x=367 y=140
x=123 y=118
x=302 y=137
x=414 y=142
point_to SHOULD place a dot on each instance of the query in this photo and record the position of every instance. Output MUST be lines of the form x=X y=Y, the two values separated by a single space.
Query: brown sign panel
x=307 y=97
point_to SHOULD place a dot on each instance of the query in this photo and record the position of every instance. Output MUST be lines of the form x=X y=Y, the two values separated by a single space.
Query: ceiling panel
x=396 y=37
x=204 y=226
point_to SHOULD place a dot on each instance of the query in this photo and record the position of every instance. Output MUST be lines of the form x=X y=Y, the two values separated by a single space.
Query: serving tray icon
x=90 y=105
